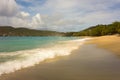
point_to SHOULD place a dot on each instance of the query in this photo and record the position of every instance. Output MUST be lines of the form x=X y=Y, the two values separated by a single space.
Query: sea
x=21 y=52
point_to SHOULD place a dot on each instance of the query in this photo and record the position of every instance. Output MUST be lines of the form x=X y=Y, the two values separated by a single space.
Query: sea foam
x=32 y=57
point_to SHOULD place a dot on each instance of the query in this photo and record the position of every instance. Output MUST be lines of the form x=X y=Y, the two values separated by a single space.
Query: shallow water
x=10 y=44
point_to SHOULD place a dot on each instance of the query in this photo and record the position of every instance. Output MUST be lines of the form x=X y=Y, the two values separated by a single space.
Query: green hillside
x=10 y=31
x=98 y=30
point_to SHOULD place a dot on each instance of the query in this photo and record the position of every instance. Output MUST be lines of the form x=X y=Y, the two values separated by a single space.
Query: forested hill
x=98 y=30
x=10 y=31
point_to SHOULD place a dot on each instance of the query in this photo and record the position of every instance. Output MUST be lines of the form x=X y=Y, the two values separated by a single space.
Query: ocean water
x=10 y=44
x=21 y=52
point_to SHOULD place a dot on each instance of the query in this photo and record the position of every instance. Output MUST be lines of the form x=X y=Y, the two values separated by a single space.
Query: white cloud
x=14 y=21
x=77 y=13
x=24 y=20
x=25 y=14
x=11 y=15
x=36 y=21
x=8 y=8
x=60 y=15
x=61 y=4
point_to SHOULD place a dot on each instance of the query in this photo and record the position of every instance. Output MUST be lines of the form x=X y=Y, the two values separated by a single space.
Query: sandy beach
x=111 y=43
x=89 y=62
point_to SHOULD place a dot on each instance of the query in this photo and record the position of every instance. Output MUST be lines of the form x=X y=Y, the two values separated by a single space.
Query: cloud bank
x=59 y=15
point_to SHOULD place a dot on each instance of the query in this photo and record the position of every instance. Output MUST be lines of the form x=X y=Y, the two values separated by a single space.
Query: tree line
x=11 y=31
x=98 y=30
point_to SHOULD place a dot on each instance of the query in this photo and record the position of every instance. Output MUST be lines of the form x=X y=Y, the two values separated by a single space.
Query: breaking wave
x=27 y=58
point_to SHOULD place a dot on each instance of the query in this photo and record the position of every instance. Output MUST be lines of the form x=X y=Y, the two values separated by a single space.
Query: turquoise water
x=10 y=44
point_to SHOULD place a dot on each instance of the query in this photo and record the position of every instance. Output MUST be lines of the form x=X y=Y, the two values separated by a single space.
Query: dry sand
x=111 y=43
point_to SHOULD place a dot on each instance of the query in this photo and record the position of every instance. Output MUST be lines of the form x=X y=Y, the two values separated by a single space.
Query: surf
x=28 y=58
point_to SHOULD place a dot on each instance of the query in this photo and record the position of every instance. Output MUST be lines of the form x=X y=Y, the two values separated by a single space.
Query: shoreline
x=41 y=71
x=36 y=56
x=87 y=62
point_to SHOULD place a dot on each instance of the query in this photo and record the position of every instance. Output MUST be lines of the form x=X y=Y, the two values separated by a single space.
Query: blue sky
x=58 y=15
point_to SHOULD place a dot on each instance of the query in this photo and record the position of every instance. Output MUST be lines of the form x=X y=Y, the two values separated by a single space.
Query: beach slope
x=111 y=43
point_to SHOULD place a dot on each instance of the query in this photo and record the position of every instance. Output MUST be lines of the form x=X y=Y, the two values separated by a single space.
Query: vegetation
x=99 y=30
x=10 y=31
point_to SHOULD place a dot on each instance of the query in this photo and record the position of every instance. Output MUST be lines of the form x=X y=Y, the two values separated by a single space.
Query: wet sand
x=87 y=63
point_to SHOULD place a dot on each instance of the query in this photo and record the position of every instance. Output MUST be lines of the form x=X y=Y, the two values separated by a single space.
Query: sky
x=58 y=15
